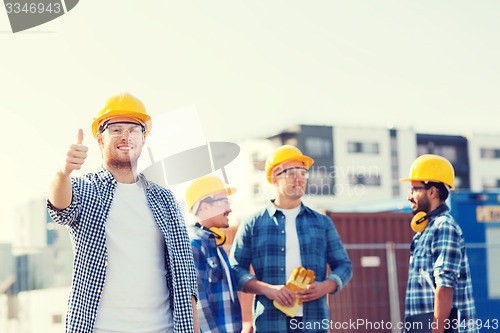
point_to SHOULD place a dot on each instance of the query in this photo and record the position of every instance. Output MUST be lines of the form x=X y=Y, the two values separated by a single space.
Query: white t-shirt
x=292 y=253
x=135 y=296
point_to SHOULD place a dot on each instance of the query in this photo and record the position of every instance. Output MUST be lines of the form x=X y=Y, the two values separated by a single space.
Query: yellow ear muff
x=220 y=236
x=419 y=222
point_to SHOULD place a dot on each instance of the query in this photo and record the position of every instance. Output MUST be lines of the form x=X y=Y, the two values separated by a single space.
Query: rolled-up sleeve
x=447 y=255
x=68 y=215
x=338 y=260
x=241 y=255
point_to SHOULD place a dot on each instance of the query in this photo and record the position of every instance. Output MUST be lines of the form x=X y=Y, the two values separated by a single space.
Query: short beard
x=121 y=165
x=423 y=206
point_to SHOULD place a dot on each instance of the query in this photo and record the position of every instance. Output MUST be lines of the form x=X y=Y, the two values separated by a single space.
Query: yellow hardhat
x=432 y=168
x=122 y=105
x=203 y=187
x=283 y=154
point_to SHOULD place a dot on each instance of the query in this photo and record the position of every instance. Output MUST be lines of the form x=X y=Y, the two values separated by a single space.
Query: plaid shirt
x=440 y=251
x=85 y=219
x=216 y=311
x=260 y=241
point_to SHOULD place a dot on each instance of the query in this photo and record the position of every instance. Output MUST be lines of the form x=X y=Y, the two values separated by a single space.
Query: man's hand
x=282 y=295
x=76 y=155
x=61 y=193
x=300 y=279
x=316 y=290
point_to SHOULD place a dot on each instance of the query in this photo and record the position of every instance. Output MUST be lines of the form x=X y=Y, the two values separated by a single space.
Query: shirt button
x=282 y=231
x=282 y=269
x=282 y=249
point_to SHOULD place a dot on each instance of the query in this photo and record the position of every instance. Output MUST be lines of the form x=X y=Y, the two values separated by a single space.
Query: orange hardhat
x=432 y=168
x=203 y=187
x=283 y=154
x=122 y=105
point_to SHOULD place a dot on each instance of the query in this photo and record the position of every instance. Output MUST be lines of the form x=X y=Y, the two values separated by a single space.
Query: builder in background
x=284 y=236
x=439 y=275
x=219 y=308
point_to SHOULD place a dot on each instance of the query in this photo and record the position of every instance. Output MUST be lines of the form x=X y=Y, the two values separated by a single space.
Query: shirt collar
x=272 y=209
x=202 y=233
x=108 y=177
x=105 y=175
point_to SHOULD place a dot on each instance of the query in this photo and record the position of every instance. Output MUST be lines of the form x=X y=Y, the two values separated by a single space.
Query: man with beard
x=282 y=237
x=219 y=308
x=439 y=275
x=133 y=268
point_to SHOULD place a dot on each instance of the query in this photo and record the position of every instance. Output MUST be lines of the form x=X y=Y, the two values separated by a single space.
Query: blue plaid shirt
x=440 y=251
x=85 y=219
x=216 y=311
x=260 y=241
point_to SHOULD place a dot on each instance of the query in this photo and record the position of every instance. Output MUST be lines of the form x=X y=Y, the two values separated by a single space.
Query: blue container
x=478 y=214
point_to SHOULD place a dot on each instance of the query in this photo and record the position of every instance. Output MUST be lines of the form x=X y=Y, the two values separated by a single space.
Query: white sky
x=251 y=68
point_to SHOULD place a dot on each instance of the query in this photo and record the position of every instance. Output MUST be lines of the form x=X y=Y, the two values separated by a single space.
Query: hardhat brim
x=426 y=180
x=306 y=160
x=146 y=119
x=229 y=191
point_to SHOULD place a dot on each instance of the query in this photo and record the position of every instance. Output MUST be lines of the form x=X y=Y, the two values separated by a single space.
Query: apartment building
x=358 y=168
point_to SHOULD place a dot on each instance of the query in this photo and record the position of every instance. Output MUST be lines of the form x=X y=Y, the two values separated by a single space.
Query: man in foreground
x=133 y=268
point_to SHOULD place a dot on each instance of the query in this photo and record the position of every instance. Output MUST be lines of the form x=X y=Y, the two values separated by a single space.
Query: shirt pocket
x=422 y=264
x=214 y=270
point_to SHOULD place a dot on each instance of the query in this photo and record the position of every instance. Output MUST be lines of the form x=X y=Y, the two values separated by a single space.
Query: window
x=361 y=179
x=256 y=188
x=490 y=153
x=318 y=147
x=258 y=162
x=319 y=182
x=394 y=165
x=491 y=184
x=363 y=147
x=447 y=151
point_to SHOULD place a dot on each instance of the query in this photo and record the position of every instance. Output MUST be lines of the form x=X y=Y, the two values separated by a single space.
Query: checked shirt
x=260 y=242
x=85 y=219
x=216 y=311
x=440 y=251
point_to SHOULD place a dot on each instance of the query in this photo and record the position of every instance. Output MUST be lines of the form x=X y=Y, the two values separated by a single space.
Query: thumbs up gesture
x=76 y=155
x=300 y=279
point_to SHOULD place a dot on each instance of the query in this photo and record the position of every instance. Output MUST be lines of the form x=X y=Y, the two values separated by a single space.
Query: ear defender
x=419 y=222
x=220 y=236
x=421 y=219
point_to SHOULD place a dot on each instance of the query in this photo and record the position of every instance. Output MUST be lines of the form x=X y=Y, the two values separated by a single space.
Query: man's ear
x=433 y=192
x=99 y=138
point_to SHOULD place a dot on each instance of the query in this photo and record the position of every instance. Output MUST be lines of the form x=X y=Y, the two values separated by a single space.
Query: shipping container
x=478 y=214
x=370 y=240
x=378 y=246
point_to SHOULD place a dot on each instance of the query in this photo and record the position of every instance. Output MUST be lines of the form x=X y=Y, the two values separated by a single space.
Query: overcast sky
x=250 y=68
